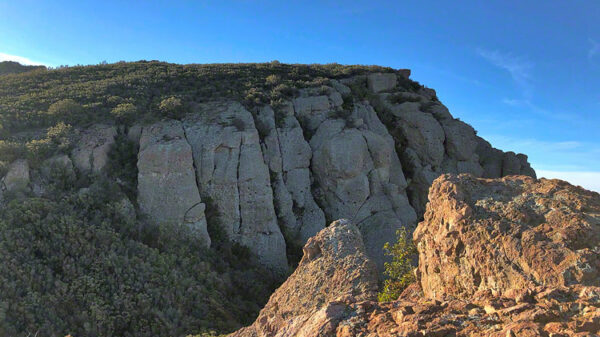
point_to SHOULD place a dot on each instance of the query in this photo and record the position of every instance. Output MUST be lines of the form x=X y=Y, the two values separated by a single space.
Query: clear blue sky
x=525 y=74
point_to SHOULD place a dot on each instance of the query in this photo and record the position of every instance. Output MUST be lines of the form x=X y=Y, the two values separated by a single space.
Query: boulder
x=334 y=268
x=17 y=177
x=507 y=234
x=379 y=82
x=511 y=164
x=55 y=164
x=91 y=151
x=167 y=190
x=421 y=132
x=461 y=141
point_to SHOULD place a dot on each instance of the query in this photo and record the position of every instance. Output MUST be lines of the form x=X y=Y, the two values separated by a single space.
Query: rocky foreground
x=497 y=257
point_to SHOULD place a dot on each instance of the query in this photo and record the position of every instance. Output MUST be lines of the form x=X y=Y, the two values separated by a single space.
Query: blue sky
x=525 y=74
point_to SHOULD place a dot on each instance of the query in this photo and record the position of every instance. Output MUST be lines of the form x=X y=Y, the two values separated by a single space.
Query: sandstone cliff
x=497 y=257
x=364 y=147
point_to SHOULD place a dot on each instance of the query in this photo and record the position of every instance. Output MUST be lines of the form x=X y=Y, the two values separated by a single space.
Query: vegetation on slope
x=10 y=67
x=84 y=94
x=76 y=262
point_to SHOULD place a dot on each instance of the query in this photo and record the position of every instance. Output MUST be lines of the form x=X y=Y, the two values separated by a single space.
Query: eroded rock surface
x=507 y=234
x=497 y=257
x=232 y=173
x=16 y=180
x=167 y=190
x=91 y=152
x=334 y=269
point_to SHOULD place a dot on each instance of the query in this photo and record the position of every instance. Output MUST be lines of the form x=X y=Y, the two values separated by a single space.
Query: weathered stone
x=320 y=300
x=91 y=152
x=312 y=109
x=359 y=176
x=502 y=235
x=57 y=163
x=511 y=164
x=334 y=269
x=17 y=177
x=381 y=81
x=421 y=132
x=460 y=139
x=232 y=173
x=167 y=190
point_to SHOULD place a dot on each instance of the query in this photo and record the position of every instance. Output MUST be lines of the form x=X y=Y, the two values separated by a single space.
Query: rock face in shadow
x=333 y=270
x=497 y=257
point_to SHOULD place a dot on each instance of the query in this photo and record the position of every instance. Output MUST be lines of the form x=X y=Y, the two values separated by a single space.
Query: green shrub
x=73 y=264
x=65 y=109
x=172 y=107
x=124 y=113
x=57 y=140
x=9 y=151
x=122 y=164
x=399 y=271
x=272 y=80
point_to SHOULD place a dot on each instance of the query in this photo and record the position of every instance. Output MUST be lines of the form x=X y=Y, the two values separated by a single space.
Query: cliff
x=497 y=257
x=363 y=147
x=249 y=161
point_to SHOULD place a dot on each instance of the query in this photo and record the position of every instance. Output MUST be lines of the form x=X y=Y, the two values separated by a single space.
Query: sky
x=525 y=74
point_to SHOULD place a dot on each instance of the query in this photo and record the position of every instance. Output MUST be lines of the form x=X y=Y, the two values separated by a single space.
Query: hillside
x=9 y=67
x=163 y=199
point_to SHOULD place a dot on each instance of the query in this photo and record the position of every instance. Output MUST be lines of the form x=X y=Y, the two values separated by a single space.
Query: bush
x=65 y=108
x=124 y=113
x=400 y=270
x=272 y=80
x=172 y=107
x=57 y=140
x=10 y=151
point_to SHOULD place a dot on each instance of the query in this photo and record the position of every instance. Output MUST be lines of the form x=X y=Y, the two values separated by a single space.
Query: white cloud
x=587 y=180
x=20 y=59
x=518 y=67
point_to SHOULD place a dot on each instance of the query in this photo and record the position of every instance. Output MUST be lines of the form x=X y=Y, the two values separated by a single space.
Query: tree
x=400 y=270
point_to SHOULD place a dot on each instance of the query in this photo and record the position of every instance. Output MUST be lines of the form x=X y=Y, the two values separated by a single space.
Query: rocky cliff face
x=365 y=147
x=497 y=257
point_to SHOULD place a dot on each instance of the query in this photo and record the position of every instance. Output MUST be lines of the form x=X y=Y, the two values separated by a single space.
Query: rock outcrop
x=333 y=270
x=365 y=147
x=17 y=178
x=167 y=190
x=91 y=152
x=231 y=171
x=508 y=234
x=497 y=257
